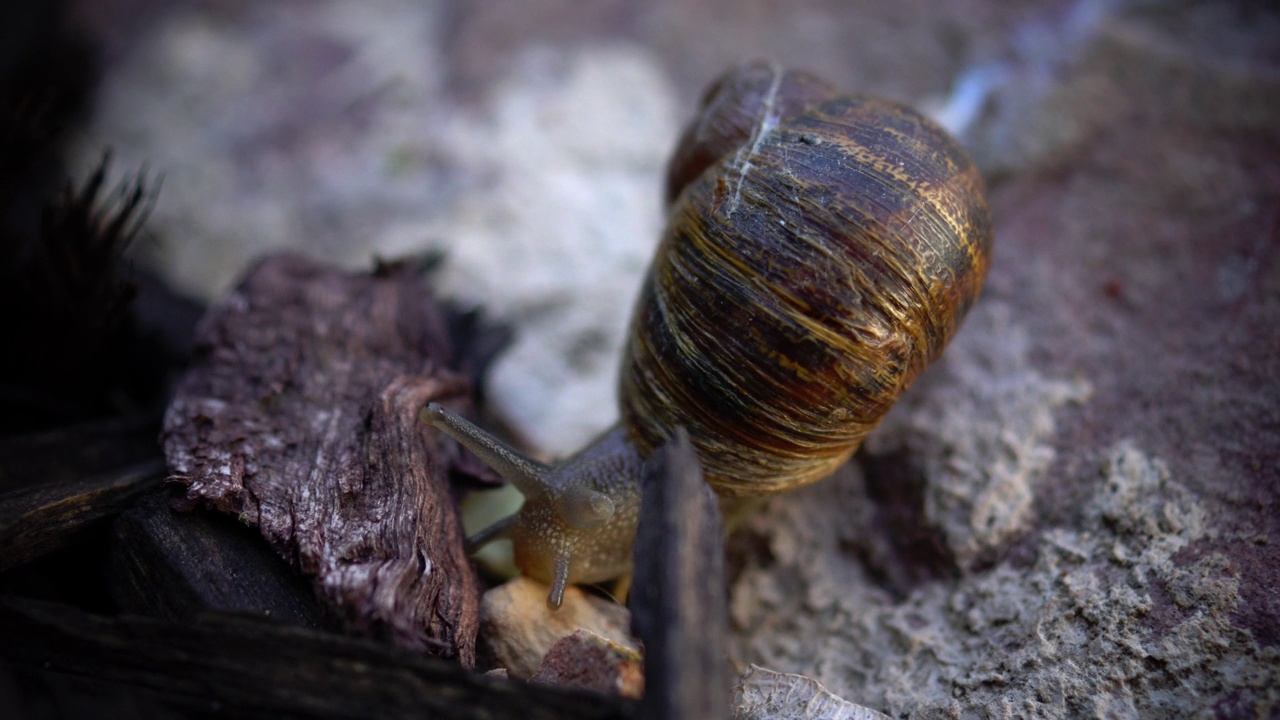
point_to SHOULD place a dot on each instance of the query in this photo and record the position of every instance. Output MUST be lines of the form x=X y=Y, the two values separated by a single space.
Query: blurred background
x=528 y=139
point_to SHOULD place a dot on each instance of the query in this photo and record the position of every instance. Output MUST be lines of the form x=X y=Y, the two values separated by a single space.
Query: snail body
x=821 y=250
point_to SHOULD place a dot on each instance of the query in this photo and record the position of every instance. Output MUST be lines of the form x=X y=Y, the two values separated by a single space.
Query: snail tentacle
x=579 y=516
x=559 y=581
x=529 y=476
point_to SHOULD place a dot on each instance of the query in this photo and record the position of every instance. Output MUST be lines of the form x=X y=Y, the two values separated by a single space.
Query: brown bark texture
x=299 y=417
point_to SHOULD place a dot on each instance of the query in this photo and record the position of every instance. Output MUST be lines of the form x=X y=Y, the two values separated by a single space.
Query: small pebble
x=517 y=629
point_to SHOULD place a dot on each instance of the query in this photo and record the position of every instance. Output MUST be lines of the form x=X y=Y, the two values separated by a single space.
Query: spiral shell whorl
x=802 y=283
x=733 y=109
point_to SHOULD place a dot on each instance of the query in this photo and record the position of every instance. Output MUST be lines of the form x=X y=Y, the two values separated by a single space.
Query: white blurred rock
x=557 y=242
x=336 y=137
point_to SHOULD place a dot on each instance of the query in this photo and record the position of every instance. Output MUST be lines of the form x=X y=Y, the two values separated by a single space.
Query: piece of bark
x=39 y=519
x=241 y=666
x=300 y=417
x=678 y=597
x=176 y=565
x=588 y=661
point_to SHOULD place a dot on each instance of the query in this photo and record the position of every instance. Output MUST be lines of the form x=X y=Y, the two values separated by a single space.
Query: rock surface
x=766 y=695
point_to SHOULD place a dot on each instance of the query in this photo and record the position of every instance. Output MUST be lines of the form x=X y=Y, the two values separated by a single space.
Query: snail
x=821 y=249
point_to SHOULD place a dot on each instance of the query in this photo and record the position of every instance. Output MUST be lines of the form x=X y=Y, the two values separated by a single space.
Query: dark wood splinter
x=678 y=599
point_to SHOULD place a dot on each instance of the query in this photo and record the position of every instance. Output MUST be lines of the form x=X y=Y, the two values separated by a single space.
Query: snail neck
x=610 y=464
x=579 y=517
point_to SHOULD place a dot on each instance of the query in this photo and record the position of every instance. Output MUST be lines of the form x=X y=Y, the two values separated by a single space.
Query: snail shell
x=806 y=276
x=820 y=251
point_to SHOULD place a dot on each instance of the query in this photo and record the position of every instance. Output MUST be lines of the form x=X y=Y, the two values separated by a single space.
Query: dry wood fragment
x=678 y=598
x=299 y=417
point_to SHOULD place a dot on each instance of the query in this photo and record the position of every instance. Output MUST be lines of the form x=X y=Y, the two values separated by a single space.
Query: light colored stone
x=517 y=629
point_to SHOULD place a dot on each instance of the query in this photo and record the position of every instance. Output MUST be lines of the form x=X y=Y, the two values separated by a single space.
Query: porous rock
x=763 y=694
